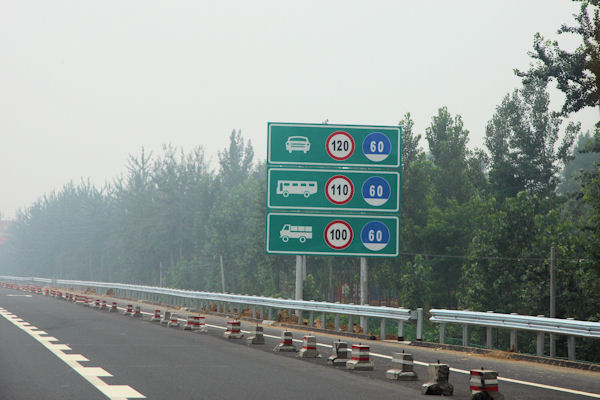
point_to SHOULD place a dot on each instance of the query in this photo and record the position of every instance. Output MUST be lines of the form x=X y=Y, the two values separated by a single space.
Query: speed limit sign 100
x=338 y=234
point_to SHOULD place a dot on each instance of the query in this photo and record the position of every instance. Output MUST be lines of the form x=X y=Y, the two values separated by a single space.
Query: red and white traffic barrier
x=156 y=317
x=233 y=330
x=309 y=348
x=484 y=384
x=286 y=343
x=103 y=306
x=113 y=307
x=360 y=358
x=128 y=310
x=173 y=323
x=97 y=303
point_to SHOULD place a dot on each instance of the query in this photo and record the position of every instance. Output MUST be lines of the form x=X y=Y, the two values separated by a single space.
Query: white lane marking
x=91 y=374
x=18 y=295
x=460 y=371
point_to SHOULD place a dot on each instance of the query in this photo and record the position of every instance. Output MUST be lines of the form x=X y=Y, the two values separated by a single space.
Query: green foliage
x=521 y=138
x=577 y=73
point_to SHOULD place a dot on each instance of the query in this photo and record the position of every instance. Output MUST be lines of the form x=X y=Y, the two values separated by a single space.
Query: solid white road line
x=91 y=374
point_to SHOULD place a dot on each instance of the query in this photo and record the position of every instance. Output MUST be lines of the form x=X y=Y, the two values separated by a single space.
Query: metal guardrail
x=514 y=322
x=557 y=326
x=399 y=314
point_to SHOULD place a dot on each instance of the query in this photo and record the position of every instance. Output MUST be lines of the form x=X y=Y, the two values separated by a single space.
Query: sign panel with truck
x=333 y=234
x=333 y=145
x=333 y=189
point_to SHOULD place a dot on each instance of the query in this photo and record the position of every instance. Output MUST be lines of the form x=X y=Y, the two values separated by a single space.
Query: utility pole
x=222 y=274
x=552 y=301
x=364 y=290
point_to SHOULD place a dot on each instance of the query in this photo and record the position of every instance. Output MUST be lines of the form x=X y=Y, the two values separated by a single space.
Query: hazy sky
x=85 y=83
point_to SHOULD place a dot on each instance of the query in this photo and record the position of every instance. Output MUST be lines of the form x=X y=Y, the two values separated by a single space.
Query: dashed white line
x=91 y=374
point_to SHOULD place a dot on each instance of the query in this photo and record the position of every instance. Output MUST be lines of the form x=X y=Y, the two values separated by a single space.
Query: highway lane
x=585 y=382
x=158 y=362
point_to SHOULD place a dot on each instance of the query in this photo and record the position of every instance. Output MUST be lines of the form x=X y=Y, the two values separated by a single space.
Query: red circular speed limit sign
x=340 y=145
x=338 y=234
x=339 y=189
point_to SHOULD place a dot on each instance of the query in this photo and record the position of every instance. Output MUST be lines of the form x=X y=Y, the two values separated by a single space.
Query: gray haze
x=85 y=83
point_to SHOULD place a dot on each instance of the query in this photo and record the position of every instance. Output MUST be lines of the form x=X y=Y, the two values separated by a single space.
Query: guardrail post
x=540 y=344
x=571 y=348
x=270 y=314
x=400 y=330
x=488 y=335
x=337 y=322
x=442 y=333
x=364 y=324
x=323 y=322
x=465 y=338
x=350 y=323
x=419 y=324
x=513 y=340
x=311 y=319
x=382 y=329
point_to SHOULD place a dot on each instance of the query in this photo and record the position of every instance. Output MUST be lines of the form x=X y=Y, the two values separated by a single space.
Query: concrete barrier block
x=286 y=343
x=309 y=348
x=402 y=368
x=484 y=385
x=166 y=318
x=258 y=337
x=233 y=330
x=340 y=354
x=438 y=381
x=360 y=358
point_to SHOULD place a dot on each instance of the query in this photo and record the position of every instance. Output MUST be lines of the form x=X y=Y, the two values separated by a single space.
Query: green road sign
x=333 y=234
x=333 y=145
x=333 y=189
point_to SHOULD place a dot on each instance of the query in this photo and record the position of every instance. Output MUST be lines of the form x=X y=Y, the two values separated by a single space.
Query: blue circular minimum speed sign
x=377 y=146
x=376 y=191
x=375 y=235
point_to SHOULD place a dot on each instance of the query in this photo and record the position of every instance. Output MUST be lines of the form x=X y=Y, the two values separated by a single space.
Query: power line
x=494 y=257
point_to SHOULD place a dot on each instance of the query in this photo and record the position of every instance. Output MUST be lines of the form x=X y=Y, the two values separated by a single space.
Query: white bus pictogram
x=305 y=188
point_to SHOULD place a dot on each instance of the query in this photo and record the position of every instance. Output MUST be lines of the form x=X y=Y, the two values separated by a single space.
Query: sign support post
x=364 y=290
x=299 y=284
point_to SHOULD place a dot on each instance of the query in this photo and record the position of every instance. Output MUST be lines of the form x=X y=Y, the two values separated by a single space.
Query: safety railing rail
x=515 y=322
x=568 y=327
x=393 y=313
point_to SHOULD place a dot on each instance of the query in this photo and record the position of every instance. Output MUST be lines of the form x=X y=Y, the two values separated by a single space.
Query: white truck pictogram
x=295 y=232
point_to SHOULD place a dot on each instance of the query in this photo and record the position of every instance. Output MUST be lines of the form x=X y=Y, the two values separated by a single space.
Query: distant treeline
x=476 y=231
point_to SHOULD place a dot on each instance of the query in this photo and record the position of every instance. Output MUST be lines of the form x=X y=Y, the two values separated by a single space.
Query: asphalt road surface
x=52 y=349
